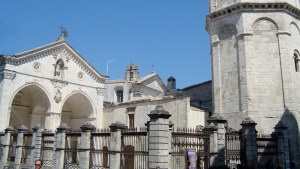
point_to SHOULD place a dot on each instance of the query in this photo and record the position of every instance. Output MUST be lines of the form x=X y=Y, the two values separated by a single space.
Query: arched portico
x=29 y=106
x=77 y=109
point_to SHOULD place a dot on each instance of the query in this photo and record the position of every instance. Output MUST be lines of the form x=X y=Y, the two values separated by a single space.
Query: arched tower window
x=296 y=61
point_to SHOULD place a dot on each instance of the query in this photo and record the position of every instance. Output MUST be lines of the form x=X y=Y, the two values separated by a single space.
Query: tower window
x=296 y=61
x=119 y=96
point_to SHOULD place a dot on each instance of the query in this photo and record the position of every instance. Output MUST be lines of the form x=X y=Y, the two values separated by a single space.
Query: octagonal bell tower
x=255 y=49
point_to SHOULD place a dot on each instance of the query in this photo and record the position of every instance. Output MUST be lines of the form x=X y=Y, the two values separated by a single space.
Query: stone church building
x=255 y=51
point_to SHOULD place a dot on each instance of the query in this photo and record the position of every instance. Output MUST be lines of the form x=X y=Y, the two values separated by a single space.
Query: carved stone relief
x=58 y=97
x=7 y=75
x=80 y=75
x=36 y=66
x=100 y=91
x=58 y=83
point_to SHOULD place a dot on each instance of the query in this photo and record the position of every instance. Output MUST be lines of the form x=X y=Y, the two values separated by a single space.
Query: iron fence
x=267 y=149
x=134 y=149
x=232 y=148
x=1 y=143
x=99 y=154
x=12 y=147
x=47 y=151
x=72 y=155
x=185 y=140
x=25 y=158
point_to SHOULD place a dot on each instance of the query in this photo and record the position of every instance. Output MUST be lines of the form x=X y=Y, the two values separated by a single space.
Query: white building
x=50 y=85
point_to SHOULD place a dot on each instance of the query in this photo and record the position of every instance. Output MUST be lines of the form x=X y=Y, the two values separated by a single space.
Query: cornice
x=7 y=74
x=255 y=7
x=58 y=50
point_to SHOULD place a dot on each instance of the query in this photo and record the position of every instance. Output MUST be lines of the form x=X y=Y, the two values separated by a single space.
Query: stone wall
x=182 y=114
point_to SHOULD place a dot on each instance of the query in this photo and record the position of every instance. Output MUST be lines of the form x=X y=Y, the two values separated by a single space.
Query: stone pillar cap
x=159 y=112
x=248 y=121
x=62 y=127
x=216 y=118
x=23 y=128
x=118 y=125
x=87 y=126
x=37 y=127
x=210 y=127
x=9 y=129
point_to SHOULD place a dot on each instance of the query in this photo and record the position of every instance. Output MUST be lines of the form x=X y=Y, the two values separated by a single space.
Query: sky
x=167 y=37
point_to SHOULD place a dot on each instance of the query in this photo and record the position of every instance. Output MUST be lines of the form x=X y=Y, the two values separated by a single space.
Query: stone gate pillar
x=5 y=144
x=213 y=143
x=115 y=144
x=170 y=143
x=281 y=134
x=159 y=138
x=85 y=145
x=249 y=143
x=60 y=146
x=218 y=151
x=36 y=144
x=52 y=120
x=20 y=145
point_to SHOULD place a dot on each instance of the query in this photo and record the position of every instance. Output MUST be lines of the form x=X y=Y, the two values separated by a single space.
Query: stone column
x=249 y=143
x=281 y=134
x=6 y=82
x=219 y=137
x=159 y=138
x=19 y=147
x=115 y=144
x=60 y=146
x=170 y=144
x=52 y=120
x=5 y=146
x=36 y=144
x=35 y=119
x=85 y=145
x=213 y=144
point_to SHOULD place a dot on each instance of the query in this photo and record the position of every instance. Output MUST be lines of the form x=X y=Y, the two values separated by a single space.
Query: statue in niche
x=59 y=66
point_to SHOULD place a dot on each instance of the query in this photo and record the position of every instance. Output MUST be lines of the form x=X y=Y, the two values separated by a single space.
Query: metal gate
x=190 y=147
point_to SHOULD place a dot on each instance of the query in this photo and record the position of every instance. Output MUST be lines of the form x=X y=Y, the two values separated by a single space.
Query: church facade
x=255 y=58
x=50 y=85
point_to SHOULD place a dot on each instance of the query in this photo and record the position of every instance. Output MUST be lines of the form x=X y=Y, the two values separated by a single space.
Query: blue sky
x=166 y=36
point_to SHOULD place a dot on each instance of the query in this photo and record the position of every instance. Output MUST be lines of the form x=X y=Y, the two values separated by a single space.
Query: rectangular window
x=119 y=96
x=131 y=120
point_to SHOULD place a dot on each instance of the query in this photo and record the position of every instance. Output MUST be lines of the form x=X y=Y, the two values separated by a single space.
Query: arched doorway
x=29 y=107
x=76 y=110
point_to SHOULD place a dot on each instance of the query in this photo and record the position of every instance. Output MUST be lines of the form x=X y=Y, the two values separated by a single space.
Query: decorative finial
x=63 y=33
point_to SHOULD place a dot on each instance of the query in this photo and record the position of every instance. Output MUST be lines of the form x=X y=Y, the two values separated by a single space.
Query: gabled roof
x=152 y=76
x=54 y=49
